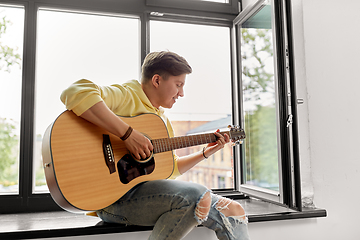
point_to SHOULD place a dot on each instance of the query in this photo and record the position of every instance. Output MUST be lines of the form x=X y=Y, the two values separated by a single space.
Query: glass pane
x=206 y=106
x=11 y=49
x=261 y=150
x=72 y=46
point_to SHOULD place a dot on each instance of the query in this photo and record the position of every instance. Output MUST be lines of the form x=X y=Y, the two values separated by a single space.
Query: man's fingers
x=147 y=153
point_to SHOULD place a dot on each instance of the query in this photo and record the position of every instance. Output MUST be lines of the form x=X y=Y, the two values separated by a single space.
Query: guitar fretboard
x=168 y=144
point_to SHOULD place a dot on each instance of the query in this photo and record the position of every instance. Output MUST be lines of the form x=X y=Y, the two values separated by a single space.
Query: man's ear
x=156 y=80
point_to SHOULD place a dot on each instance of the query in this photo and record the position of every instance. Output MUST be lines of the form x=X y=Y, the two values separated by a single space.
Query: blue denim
x=169 y=206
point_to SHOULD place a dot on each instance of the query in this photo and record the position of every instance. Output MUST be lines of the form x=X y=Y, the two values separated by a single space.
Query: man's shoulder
x=132 y=84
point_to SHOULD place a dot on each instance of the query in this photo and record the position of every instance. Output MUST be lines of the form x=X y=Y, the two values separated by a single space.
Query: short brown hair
x=164 y=63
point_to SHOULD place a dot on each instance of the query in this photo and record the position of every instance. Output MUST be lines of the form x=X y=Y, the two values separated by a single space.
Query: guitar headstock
x=237 y=134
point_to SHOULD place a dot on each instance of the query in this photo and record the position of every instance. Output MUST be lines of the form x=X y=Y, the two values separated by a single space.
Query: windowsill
x=64 y=224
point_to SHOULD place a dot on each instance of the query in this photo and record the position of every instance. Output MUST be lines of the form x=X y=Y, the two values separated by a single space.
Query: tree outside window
x=10 y=78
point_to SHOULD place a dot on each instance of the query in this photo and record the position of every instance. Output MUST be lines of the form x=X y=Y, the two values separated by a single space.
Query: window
x=11 y=45
x=266 y=108
x=206 y=106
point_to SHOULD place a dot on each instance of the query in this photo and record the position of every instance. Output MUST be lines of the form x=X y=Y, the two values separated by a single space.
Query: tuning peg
x=238 y=142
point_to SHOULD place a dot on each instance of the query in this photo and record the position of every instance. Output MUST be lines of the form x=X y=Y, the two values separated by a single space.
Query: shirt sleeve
x=176 y=172
x=83 y=94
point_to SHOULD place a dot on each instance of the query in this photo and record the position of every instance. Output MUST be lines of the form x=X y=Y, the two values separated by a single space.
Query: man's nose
x=181 y=92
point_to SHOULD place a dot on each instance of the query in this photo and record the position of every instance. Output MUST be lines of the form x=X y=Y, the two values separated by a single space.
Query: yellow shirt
x=126 y=100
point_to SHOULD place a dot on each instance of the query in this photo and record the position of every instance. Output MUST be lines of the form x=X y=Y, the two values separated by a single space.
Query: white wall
x=327 y=50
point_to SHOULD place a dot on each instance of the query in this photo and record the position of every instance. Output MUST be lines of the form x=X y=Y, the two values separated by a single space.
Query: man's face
x=170 y=90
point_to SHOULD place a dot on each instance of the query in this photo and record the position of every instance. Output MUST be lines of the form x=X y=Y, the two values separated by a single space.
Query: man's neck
x=150 y=93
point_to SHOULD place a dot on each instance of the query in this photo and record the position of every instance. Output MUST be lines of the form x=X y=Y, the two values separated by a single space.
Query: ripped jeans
x=170 y=206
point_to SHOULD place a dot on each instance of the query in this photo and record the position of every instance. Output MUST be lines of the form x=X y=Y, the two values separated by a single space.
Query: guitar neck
x=168 y=144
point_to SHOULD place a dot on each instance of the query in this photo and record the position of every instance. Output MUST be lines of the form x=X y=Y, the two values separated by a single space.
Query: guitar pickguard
x=129 y=168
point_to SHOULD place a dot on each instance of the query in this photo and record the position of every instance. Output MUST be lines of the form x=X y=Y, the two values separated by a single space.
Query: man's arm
x=185 y=163
x=102 y=116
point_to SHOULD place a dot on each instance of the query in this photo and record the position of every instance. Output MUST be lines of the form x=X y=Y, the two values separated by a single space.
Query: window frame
x=289 y=164
x=232 y=6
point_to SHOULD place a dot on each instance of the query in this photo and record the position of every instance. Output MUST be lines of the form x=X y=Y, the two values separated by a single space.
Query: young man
x=172 y=207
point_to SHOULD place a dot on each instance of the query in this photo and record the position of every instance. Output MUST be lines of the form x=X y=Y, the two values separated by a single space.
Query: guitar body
x=88 y=168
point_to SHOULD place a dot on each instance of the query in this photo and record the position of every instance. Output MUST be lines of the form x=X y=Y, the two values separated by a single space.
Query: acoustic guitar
x=88 y=168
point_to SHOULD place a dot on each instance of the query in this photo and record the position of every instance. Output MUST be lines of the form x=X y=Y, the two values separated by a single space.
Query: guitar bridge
x=108 y=153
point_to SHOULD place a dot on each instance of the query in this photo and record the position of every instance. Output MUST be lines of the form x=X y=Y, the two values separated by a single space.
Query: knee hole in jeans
x=203 y=207
x=230 y=208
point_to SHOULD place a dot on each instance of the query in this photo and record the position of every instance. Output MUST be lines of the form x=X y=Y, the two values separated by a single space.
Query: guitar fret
x=165 y=146
x=171 y=144
x=177 y=143
x=162 y=145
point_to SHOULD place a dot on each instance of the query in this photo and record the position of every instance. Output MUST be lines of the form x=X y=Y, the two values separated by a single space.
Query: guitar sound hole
x=129 y=168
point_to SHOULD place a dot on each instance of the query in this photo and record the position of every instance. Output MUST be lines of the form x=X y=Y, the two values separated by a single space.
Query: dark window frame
x=205 y=6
